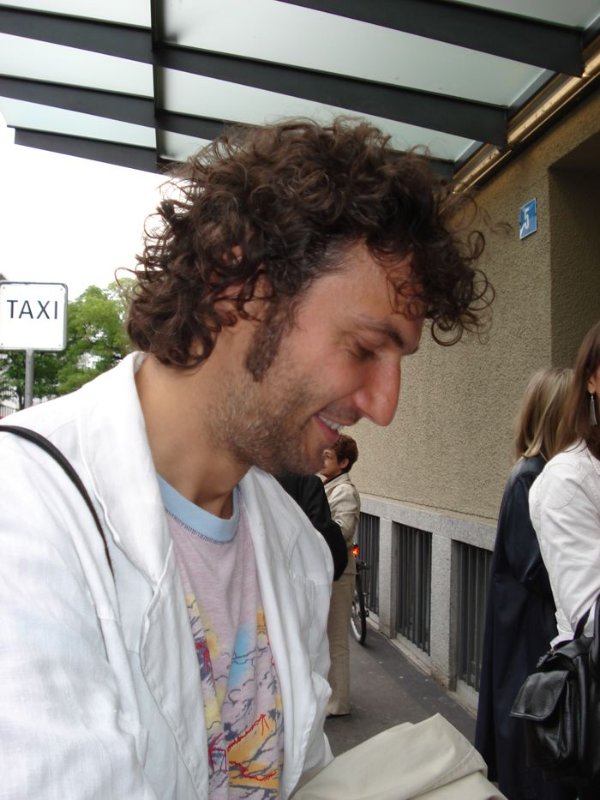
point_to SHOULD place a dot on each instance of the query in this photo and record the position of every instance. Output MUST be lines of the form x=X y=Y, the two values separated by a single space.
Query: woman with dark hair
x=565 y=500
x=564 y=504
x=344 y=501
x=520 y=610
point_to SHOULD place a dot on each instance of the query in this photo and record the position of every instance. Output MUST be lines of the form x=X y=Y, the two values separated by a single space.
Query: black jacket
x=519 y=625
x=308 y=492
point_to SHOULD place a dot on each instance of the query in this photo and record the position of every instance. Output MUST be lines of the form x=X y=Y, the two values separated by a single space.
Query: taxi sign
x=33 y=316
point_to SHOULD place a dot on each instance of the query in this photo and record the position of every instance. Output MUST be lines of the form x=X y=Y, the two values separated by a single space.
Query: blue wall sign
x=528 y=218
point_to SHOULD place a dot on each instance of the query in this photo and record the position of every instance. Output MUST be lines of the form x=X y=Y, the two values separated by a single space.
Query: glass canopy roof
x=144 y=82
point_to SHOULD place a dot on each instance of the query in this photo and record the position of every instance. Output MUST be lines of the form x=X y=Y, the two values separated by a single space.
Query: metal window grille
x=473 y=575
x=368 y=543
x=413 y=606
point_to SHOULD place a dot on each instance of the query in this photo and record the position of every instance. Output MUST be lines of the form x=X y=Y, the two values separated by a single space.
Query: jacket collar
x=277 y=526
x=344 y=477
x=120 y=468
x=122 y=475
x=121 y=471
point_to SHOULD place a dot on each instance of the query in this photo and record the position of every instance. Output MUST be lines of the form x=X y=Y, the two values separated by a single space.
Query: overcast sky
x=69 y=220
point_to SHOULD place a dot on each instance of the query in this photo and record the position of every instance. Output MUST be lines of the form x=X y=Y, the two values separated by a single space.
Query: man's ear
x=225 y=304
x=343 y=463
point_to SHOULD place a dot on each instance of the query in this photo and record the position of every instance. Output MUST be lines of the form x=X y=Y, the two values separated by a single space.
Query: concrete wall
x=442 y=464
x=575 y=252
x=450 y=447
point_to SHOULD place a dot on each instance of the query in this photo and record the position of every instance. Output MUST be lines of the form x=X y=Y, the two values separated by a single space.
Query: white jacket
x=564 y=505
x=99 y=683
x=344 y=502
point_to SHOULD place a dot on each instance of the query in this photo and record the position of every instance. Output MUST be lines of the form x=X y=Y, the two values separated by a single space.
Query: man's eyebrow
x=385 y=328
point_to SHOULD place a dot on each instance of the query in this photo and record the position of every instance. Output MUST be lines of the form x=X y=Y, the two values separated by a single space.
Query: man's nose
x=377 y=398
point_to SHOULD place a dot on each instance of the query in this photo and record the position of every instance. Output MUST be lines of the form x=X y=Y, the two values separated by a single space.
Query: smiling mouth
x=336 y=427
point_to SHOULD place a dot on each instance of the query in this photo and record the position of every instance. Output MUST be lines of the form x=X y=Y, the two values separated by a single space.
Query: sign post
x=33 y=316
x=29 y=362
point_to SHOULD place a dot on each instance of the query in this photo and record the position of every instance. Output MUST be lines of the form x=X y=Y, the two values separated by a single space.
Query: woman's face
x=331 y=466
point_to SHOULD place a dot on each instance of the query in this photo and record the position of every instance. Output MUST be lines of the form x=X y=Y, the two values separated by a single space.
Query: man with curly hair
x=286 y=277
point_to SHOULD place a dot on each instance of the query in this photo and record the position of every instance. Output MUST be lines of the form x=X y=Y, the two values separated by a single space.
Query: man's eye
x=363 y=353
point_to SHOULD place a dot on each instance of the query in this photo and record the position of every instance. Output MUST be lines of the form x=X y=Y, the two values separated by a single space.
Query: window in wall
x=413 y=610
x=473 y=573
x=368 y=543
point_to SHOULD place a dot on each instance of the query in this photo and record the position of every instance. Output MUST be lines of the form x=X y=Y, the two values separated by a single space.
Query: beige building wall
x=450 y=447
x=442 y=465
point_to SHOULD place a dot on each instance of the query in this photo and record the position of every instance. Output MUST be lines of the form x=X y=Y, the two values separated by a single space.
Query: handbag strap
x=55 y=453
x=581 y=624
x=595 y=648
x=594 y=653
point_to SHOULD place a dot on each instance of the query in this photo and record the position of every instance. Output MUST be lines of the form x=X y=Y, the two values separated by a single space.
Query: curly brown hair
x=277 y=207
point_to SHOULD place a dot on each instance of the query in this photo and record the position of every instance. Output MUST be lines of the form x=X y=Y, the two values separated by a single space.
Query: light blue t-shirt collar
x=196 y=518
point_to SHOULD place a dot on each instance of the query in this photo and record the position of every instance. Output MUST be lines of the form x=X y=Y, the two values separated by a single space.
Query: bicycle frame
x=360 y=612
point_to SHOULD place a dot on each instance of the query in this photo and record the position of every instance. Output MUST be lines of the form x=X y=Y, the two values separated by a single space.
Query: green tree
x=96 y=338
x=12 y=375
x=96 y=341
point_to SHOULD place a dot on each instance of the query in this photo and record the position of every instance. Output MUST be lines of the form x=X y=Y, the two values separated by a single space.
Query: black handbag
x=559 y=704
x=36 y=438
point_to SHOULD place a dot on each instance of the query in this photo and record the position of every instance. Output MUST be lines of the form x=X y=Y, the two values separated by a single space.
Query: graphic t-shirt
x=239 y=684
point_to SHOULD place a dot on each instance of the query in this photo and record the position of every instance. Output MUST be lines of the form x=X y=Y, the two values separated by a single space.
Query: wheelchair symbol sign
x=528 y=218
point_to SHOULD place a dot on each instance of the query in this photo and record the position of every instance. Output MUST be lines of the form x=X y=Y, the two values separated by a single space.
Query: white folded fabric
x=430 y=760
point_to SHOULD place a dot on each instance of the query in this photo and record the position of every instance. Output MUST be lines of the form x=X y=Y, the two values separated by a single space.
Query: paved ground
x=387 y=690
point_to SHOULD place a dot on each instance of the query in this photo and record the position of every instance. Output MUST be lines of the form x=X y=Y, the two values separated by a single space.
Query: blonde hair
x=541 y=418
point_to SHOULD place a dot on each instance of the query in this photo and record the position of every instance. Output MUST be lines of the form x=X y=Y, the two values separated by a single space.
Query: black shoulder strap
x=55 y=453
x=581 y=624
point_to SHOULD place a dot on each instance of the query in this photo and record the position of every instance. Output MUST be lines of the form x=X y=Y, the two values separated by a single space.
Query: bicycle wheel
x=358 y=617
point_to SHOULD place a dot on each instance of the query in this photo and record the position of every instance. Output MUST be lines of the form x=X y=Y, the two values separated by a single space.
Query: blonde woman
x=520 y=610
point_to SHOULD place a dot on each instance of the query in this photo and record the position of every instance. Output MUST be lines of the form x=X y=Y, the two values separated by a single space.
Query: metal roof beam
x=122 y=107
x=121 y=155
x=110 y=38
x=554 y=47
x=111 y=105
x=133 y=156
x=158 y=87
x=485 y=123
x=480 y=121
x=189 y=125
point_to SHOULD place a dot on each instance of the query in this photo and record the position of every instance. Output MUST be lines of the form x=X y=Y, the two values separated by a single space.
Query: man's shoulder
x=271 y=507
x=263 y=491
x=46 y=418
x=62 y=419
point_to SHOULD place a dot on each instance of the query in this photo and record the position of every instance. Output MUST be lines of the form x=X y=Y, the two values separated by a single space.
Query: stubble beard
x=267 y=408
x=268 y=434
